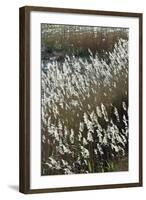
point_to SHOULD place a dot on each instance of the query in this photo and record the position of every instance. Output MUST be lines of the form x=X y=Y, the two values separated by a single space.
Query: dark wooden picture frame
x=24 y=135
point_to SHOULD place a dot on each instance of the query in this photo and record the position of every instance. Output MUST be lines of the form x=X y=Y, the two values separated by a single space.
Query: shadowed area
x=14 y=187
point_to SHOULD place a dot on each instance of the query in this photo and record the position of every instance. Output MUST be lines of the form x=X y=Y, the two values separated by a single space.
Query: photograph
x=80 y=99
x=84 y=99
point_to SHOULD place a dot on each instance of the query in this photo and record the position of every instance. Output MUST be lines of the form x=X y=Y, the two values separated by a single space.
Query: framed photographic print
x=80 y=99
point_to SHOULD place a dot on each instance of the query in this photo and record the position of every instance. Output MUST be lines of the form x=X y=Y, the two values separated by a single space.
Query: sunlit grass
x=85 y=113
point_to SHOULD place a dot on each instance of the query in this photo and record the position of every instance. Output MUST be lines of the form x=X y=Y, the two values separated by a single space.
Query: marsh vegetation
x=84 y=105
